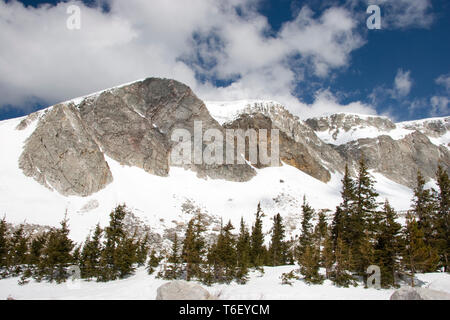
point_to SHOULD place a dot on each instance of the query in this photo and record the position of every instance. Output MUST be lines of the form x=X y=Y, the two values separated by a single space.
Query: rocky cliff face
x=397 y=151
x=132 y=125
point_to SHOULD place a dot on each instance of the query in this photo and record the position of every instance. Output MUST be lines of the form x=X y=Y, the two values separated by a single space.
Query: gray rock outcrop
x=132 y=124
x=60 y=154
x=182 y=290
x=410 y=293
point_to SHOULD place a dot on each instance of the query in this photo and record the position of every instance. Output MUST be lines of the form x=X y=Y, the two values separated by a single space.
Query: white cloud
x=402 y=84
x=404 y=14
x=439 y=106
x=444 y=80
x=41 y=58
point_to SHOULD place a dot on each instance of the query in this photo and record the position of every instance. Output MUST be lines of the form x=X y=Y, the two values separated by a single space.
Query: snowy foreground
x=267 y=287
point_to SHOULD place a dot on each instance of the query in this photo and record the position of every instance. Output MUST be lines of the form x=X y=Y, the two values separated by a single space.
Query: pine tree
x=310 y=264
x=306 y=238
x=56 y=255
x=343 y=257
x=225 y=255
x=142 y=251
x=417 y=256
x=243 y=247
x=115 y=261
x=19 y=250
x=321 y=229
x=173 y=269
x=278 y=247
x=153 y=262
x=126 y=256
x=308 y=252
x=443 y=218
x=190 y=255
x=4 y=249
x=362 y=227
x=388 y=245
x=257 y=253
x=91 y=254
x=424 y=207
x=344 y=212
x=36 y=252
x=327 y=256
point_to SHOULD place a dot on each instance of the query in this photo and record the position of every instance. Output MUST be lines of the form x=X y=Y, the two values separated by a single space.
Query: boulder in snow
x=182 y=290
x=410 y=293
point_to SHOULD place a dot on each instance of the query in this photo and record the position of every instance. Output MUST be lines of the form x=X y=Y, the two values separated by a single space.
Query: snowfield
x=142 y=286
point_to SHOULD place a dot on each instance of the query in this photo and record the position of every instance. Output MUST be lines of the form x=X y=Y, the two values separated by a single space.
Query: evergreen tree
x=142 y=251
x=306 y=238
x=388 y=245
x=190 y=255
x=310 y=264
x=417 y=256
x=308 y=252
x=225 y=255
x=56 y=255
x=19 y=250
x=424 y=207
x=36 y=252
x=321 y=229
x=257 y=253
x=344 y=211
x=243 y=247
x=173 y=269
x=327 y=256
x=115 y=260
x=343 y=257
x=443 y=218
x=91 y=254
x=153 y=262
x=362 y=227
x=4 y=245
x=278 y=247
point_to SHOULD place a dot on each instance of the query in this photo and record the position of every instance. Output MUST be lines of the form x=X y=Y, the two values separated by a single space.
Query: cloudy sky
x=313 y=56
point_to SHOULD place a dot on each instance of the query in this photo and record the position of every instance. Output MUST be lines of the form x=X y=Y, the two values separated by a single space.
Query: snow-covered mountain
x=89 y=154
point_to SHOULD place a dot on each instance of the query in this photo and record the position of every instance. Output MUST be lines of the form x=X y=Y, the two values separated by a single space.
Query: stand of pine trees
x=362 y=233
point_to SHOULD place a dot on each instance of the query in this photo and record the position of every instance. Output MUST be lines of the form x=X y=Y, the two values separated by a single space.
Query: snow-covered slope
x=268 y=286
x=227 y=111
x=338 y=129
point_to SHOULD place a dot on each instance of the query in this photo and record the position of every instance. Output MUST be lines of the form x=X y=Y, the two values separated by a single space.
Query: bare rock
x=410 y=293
x=182 y=290
x=61 y=155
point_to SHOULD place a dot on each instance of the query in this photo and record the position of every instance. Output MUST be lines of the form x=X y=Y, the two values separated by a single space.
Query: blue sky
x=314 y=56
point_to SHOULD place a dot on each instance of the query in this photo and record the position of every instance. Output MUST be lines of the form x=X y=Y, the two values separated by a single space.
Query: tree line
x=362 y=232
